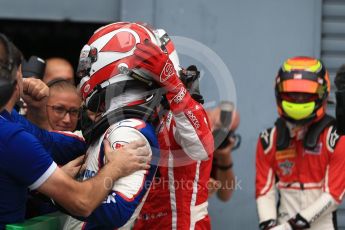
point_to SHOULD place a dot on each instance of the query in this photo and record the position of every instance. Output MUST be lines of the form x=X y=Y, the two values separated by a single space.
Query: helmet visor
x=298 y=97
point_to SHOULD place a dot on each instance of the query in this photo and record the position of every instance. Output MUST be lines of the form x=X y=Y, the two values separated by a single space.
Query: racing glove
x=152 y=59
x=268 y=224
x=297 y=223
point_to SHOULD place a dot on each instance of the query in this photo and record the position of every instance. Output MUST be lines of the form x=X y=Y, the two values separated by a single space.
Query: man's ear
x=19 y=72
x=16 y=85
x=19 y=78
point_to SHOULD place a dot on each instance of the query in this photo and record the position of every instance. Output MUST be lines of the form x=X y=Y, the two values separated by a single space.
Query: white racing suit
x=122 y=206
x=310 y=183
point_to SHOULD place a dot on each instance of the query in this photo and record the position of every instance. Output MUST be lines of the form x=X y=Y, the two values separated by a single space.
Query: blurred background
x=251 y=37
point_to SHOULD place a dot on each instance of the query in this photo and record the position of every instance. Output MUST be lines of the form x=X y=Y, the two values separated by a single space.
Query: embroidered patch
x=118 y=144
x=286 y=167
x=333 y=138
x=286 y=153
x=266 y=139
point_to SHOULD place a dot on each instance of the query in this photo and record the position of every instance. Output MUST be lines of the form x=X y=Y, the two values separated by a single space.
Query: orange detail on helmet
x=320 y=112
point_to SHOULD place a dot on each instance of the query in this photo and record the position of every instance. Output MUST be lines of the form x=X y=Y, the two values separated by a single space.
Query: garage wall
x=75 y=10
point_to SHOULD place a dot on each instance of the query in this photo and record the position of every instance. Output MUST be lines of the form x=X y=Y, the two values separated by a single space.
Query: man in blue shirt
x=26 y=163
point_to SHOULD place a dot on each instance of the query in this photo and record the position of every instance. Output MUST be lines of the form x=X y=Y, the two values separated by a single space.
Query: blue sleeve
x=25 y=158
x=62 y=148
x=116 y=210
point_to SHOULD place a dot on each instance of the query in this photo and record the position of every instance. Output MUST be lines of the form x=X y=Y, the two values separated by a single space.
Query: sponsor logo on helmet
x=87 y=88
x=167 y=72
x=297 y=76
x=193 y=118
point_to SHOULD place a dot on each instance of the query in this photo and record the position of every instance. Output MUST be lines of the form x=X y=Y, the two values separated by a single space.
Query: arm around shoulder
x=81 y=198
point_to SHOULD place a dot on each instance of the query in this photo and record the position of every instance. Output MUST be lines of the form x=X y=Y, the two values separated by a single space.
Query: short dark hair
x=10 y=57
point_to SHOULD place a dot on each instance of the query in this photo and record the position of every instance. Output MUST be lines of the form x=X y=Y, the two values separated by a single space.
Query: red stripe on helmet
x=122 y=41
x=106 y=29
x=104 y=74
x=170 y=47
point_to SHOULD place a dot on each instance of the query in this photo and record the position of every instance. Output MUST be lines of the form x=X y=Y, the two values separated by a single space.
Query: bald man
x=58 y=68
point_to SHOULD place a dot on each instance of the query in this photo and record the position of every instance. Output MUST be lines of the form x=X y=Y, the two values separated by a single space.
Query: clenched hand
x=35 y=92
x=129 y=158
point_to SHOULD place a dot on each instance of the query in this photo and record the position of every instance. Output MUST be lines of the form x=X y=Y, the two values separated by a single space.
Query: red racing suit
x=310 y=183
x=178 y=196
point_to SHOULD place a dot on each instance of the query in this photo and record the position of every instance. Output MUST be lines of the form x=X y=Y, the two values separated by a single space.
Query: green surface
x=52 y=221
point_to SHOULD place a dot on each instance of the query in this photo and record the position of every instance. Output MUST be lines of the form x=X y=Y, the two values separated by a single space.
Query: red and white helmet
x=107 y=59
